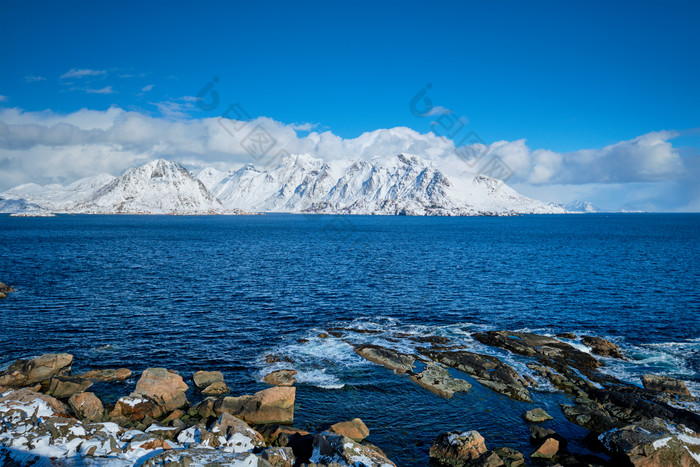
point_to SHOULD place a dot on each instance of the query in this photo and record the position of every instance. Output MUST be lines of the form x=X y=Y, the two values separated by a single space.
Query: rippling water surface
x=223 y=292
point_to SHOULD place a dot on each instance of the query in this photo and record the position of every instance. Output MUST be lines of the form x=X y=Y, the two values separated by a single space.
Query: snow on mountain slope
x=158 y=187
x=21 y=205
x=58 y=198
x=581 y=206
x=402 y=184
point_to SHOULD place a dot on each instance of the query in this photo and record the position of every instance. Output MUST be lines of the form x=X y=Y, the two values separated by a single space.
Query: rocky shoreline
x=46 y=412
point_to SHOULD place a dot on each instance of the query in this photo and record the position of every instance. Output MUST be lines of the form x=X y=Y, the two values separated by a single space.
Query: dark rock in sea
x=537 y=415
x=665 y=384
x=653 y=443
x=24 y=373
x=273 y=405
x=566 y=335
x=166 y=388
x=590 y=415
x=63 y=387
x=108 y=374
x=5 y=289
x=391 y=359
x=438 y=380
x=538 y=433
x=281 y=378
x=510 y=457
x=354 y=429
x=487 y=370
x=87 y=406
x=457 y=449
x=602 y=347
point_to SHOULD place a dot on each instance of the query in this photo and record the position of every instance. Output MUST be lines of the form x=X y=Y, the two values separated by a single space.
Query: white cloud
x=49 y=147
x=147 y=88
x=304 y=126
x=82 y=73
x=104 y=90
x=34 y=79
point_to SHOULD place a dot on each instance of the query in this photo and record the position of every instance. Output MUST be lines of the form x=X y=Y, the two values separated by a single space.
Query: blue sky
x=563 y=76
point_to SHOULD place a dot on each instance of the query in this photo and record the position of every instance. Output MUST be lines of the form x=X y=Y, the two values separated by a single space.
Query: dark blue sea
x=224 y=292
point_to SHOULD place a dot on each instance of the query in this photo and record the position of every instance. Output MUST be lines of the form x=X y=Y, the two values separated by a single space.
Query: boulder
x=28 y=397
x=547 y=450
x=37 y=370
x=602 y=347
x=203 y=379
x=488 y=459
x=538 y=433
x=665 y=384
x=332 y=449
x=510 y=457
x=279 y=457
x=537 y=415
x=108 y=374
x=281 y=378
x=273 y=405
x=162 y=386
x=202 y=456
x=457 y=449
x=391 y=359
x=590 y=415
x=144 y=443
x=488 y=371
x=174 y=415
x=236 y=433
x=5 y=289
x=205 y=408
x=354 y=429
x=216 y=389
x=135 y=408
x=653 y=443
x=87 y=406
x=165 y=432
x=566 y=335
x=438 y=380
x=63 y=387
x=280 y=435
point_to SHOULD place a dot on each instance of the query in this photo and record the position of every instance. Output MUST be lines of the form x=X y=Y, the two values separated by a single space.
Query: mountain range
x=398 y=185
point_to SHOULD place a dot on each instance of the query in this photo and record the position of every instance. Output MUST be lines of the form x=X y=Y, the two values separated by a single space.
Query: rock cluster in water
x=47 y=414
x=4 y=290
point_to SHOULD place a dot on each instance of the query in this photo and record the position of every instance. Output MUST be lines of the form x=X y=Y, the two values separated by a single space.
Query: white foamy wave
x=320 y=379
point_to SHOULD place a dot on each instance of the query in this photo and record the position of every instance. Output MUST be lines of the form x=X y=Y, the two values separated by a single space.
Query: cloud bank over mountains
x=47 y=147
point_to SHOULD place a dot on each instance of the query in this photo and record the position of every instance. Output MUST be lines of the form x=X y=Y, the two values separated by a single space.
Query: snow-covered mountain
x=402 y=184
x=159 y=187
x=581 y=206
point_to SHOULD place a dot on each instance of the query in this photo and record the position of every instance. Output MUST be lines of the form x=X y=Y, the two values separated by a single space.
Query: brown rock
x=165 y=388
x=537 y=415
x=458 y=448
x=63 y=387
x=205 y=408
x=438 y=380
x=566 y=335
x=108 y=374
x=510 y=457
x=602 y=347
x=203 y=379
x=547 y=450
x=391 y=359
x=26 y=395
x=273 y=405
x=216 y=389
x=354 y=429
x=665 y=384
x=281 y=378
x=488 y=459
x=228 y=425
x=174 y=415
x=36 y=370
x=323 y=335
x=278 y=435
x=279 y=457
x=135 y=408
x=87 y=406
x=5 y=289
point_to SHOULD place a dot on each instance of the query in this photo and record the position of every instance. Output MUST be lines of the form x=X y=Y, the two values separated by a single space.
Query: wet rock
x=391 y=359
x=653 y=443
x=510 y=457
x=281 y=378
x=108 y=374
x=589 y=415
x=63 y=387
x=438 y=380
x=202 y=379
x=538 y=433
x=329 y=448
x=37 y=370
x=135 y=408
x=488 y=371
x=537 y=415
x=665 y=384
x=269 y=359
x=354 y=429
x=5 y=289
x=457 y=449
x=323 y=335
x=165 y=388
x=279 y=457
x=273 y=405
x=566 y=335
x=547 y=450
x=602 y=347
x=87 y=406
